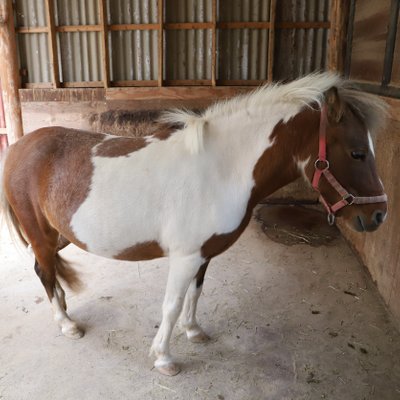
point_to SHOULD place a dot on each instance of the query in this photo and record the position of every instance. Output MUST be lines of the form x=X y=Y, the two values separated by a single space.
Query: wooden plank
x=243 y=25
x=188 y=82
x=160 y=42
x=32 y=29
x=53 y=55
x=133 y=27
x=9 y=72
x=62 y=95
x=38 y=85
x=78 y=28
x=339 y=16
x=175 y=93
x=188 y=25
x=92 y=84
x=271 y=41
x=134 y=83
x=303 y=24
x=240 y=82
x=214 y=44
x=182 y=25
x=105 y=64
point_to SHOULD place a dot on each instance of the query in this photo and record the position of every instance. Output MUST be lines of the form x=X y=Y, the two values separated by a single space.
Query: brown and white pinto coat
x=184 y=193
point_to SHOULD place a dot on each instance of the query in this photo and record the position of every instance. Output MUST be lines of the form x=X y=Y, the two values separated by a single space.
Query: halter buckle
x=323 y=167
x=349 y=198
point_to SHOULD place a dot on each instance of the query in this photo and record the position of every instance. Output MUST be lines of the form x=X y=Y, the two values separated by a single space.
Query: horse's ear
x=335 y=105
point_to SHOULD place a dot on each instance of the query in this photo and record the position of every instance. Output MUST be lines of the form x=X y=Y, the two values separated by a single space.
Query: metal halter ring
x=331 y=218
x=318 y=161
x=349 y=198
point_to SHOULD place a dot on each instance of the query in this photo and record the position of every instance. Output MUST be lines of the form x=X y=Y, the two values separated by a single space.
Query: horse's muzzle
x=361 y=223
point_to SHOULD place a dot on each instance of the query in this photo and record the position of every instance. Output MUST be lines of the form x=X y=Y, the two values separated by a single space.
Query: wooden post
x=339 y=18
x=51 y=33
x=271 y=41
x=104 y=43
x=160 y=42
x=9 y=72
x=214 y=44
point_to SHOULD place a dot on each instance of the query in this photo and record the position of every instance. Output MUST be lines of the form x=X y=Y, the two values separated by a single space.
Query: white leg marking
x=188 y=317
x=182 y=271
x=68 y=327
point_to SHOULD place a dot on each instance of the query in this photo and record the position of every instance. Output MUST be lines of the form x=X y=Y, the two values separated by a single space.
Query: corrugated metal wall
x=242 y=53
x=300 y=51
x=188 y=52
x=33 y=48
x=133 y=53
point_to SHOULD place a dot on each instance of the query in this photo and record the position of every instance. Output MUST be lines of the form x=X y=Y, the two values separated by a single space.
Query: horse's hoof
x=72 y=332
x=200 y=337
x=170 y=369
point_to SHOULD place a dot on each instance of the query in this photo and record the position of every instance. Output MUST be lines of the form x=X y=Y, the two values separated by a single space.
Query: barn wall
x=380 y=250
x=242 y=53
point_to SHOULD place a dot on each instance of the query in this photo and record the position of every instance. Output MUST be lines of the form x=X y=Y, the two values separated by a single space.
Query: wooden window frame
x=161 y=26
x=383 y=87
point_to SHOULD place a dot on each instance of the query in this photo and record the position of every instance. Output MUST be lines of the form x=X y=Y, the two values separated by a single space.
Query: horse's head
x=347 y=178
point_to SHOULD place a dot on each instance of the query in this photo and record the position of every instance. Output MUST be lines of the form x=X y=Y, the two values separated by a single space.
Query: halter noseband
x=322 y=168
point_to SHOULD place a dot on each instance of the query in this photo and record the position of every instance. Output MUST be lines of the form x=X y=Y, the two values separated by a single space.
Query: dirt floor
x=287 y=321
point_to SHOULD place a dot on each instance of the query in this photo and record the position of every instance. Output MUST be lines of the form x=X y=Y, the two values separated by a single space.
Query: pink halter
x=322 y=168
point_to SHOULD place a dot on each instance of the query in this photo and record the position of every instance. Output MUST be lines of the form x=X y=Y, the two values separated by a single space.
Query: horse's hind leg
x=46 y=267
x=188 y=317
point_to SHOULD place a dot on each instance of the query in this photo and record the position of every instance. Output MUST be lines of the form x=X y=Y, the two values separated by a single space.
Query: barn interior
x=295 y=309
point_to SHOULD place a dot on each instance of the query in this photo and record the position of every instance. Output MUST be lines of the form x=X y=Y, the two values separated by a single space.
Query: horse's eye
x=358 y=155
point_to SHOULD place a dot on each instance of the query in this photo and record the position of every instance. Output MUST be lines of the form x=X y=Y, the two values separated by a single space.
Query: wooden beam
x=271 y=41
x=339 y=17
x=188 y=25
x=51 y=37
x=303 y=25
x=78 y=28
x=214 y=44
x=240 y=82
x=175 y=93
x=160 y=42
x=243 y=25
x=105 y=64
x=133 y=27
x=9 y=74
x=134 y=83
x=187 y=82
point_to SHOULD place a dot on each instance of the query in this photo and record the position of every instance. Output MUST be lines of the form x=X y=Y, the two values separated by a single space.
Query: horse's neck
x=271 y=153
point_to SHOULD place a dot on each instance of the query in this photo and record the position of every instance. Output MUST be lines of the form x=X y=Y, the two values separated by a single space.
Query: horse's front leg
x=182 y=271
x=188 y=317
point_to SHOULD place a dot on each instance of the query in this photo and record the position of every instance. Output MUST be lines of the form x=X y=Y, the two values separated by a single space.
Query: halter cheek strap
x=322 y=168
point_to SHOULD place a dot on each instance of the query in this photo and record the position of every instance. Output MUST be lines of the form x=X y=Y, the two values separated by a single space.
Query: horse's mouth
x=359 y=225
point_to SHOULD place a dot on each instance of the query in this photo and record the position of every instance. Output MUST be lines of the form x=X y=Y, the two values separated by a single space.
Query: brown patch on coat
x=120 y=146
x=265 y=177
x=123 y=146
x=141 y=251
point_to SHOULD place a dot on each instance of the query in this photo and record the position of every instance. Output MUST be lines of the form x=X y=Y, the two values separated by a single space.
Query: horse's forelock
x=373 y=110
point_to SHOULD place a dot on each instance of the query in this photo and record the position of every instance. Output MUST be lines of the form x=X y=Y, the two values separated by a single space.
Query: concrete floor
x=282 y=327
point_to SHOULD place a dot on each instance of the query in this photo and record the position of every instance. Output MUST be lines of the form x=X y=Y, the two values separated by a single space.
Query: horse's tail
x=67 y=273
x=8 y=217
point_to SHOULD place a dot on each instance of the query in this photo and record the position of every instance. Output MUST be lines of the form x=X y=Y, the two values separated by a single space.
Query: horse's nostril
x=378 y=217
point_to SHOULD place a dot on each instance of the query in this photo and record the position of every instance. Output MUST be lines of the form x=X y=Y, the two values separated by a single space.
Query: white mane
x=301 y=93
